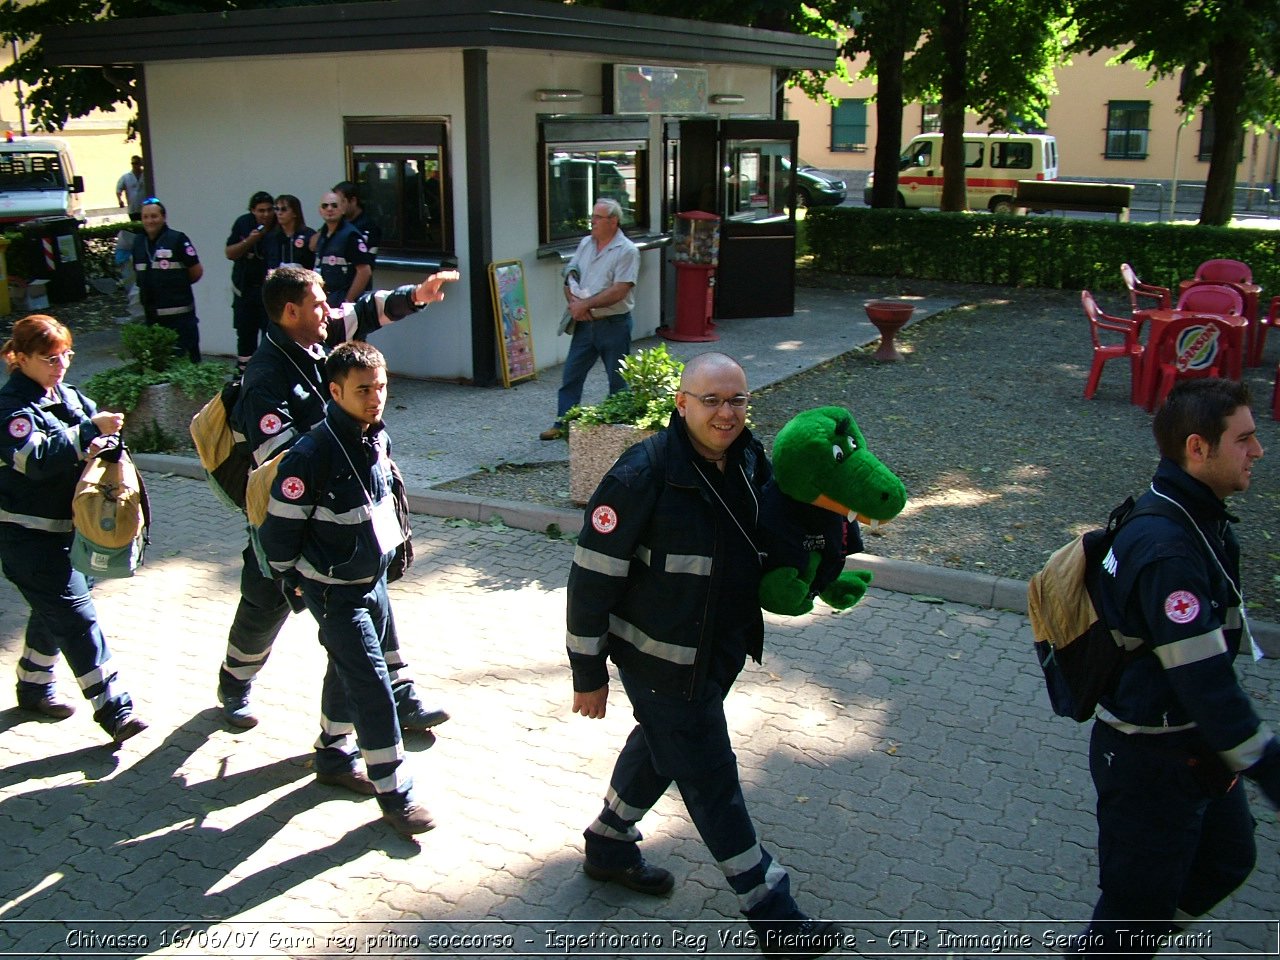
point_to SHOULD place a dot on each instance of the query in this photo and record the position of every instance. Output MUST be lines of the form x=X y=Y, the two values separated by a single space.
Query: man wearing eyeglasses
x=342 y=255
x=246 y=251
x=664 y=582
x=599 y=284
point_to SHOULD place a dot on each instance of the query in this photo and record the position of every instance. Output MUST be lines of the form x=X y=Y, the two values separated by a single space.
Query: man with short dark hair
x=331 y=532
x=664 y=582
x=354 y=213
x=283 y=396
x=1170 y=742
x=246 y=251
x=598 y=286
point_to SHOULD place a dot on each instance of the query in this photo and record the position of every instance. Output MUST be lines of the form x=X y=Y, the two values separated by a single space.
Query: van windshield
x=31 y=171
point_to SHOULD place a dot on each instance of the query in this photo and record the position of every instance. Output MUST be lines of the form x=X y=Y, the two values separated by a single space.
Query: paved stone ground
x=899 y=758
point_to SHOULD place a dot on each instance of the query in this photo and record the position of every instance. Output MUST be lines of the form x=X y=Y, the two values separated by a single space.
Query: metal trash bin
x=56 y=254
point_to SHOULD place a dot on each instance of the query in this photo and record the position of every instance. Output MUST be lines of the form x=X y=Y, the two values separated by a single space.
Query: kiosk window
x=575 y=176
x=403 y=172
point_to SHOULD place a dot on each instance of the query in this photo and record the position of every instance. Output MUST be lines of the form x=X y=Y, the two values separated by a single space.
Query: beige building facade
x=1112 y=122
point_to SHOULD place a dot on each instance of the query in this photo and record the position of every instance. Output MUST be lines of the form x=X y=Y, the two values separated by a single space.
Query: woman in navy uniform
x=290 y=243
x=47 y=429
x=167 y=265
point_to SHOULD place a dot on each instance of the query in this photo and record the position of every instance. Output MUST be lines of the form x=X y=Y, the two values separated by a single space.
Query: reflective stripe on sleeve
x=586 y=646
x=1245 y=755
x=598 y=562
x=1191 y=649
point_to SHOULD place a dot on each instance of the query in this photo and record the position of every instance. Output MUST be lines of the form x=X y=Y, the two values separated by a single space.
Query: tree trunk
x=954 y=31
x=889 y=110
x=1228 y=68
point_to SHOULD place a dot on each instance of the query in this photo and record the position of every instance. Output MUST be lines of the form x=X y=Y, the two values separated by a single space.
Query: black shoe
x=798 y=939
x=48 y=704
x=641 y=877
x=237 y=712
x=420 y=719
x=352 y=780
x=127 y=727
x=412 y=819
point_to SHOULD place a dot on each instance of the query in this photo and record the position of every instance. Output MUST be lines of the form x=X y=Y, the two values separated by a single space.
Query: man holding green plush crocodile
x=664 y=581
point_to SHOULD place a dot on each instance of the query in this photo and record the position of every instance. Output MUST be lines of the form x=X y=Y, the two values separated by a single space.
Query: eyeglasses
x=711 y=402
x=58 y=359
x=328 y=206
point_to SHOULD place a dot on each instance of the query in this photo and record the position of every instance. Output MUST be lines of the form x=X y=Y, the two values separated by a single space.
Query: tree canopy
x=1226 y=53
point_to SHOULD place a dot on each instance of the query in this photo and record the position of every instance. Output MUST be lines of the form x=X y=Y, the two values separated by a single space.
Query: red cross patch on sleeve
x=20 y=428
x=292 y=487
x=270 y=424
x=1181 y=606
x=604 y=519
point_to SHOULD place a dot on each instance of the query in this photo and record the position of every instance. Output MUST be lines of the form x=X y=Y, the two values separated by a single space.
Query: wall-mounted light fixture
x=559 y=96
x=726 y=98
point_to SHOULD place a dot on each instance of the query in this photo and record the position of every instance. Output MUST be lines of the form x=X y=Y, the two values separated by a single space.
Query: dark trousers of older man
x=608 y=338
x=1173 y=840
x=356 y=694
x=687 y=742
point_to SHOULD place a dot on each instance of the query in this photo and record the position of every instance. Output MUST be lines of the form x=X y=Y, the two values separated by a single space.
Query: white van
x=38 y=179
x=994 y=163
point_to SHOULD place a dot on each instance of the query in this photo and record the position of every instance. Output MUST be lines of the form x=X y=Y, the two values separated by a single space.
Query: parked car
x=815 y=188
x=38 y=179
x=994 y=163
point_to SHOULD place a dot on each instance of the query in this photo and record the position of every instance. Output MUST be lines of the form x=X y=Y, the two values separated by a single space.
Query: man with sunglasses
x=664 y=582
x=343 y=258
x=247 y=253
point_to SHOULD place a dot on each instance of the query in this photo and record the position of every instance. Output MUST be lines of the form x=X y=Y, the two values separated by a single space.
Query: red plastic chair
x=1224 y=271
x=1191 y=359
x=1163 y=298
x=1212 y=298
x=1102 y=352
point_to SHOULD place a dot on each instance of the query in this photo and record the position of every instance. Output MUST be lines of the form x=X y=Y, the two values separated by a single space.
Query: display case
x=696 y=238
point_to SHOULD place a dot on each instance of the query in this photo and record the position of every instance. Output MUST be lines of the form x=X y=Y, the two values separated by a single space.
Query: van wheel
x=1002 y=205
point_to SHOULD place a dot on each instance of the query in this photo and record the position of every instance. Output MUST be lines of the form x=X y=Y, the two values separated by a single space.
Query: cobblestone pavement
x=900 y=759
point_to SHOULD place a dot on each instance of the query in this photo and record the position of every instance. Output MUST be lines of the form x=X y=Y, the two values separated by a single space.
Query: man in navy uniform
x=246 y=251
x=342 y=255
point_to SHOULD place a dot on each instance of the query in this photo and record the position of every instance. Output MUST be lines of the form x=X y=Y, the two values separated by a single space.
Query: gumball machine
x=695 y=251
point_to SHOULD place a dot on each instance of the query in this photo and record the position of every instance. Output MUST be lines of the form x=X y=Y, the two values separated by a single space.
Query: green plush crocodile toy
x=823 y=475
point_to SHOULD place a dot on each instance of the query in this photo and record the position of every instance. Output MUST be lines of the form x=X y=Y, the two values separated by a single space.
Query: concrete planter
x=593 y=450
x=166 y=407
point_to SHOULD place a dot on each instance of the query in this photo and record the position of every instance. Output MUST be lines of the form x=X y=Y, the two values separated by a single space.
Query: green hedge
x=1027 y=251
x=99 y=243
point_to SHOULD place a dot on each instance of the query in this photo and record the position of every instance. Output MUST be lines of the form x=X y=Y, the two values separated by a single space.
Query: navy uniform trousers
x=63 y=620
x=1170 y=845
x=259 y=618
x=353 y=622
x=687 y=742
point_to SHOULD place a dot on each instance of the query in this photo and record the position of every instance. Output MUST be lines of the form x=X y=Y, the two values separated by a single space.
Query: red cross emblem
x=1181 y=606
x=292 y=487
x=604 y=519
x=270 y=424
x=19 y=427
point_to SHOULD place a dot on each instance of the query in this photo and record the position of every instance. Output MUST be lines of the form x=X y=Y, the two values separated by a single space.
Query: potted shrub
x=598 y=434
x=157 y=391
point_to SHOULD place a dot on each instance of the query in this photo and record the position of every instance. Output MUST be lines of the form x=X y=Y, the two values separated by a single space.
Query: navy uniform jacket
x=42 y=446
x=337 y=257
x=161 y=267
x=332 y=518
x=791 y=530
x=284 y=391
x=652 y=581
x=295 y=248
x=1160 y=583
x=249 y=270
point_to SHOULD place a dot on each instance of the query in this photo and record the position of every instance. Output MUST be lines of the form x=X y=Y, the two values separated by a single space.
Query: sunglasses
x=328 y=206
x=280 y=209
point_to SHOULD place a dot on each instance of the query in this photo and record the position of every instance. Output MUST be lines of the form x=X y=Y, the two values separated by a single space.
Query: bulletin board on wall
x=515 y=326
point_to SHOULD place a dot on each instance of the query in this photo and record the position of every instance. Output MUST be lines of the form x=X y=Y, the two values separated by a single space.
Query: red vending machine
x=695 y=252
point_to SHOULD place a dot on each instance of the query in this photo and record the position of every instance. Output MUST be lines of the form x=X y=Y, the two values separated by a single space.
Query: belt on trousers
x=174 y=311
